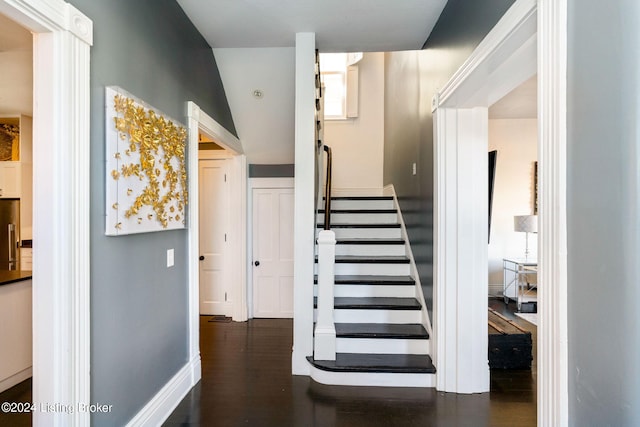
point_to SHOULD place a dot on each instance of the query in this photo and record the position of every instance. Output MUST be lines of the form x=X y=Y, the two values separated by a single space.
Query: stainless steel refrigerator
x=9 y=234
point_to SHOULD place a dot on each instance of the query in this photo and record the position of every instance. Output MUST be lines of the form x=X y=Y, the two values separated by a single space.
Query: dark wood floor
x=19 y=393
x=247 y=381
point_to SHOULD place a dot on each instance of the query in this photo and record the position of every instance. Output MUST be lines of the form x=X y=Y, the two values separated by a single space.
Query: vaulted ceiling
x=339 y=25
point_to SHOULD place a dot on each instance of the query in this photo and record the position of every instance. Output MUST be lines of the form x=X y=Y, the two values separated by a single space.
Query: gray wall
x=411 y=80
x=604 y=212
x=138 y=305
x=271 y=171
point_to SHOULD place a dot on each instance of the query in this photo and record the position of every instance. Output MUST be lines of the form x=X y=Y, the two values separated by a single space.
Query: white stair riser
x=382 y=346
x=362 y=204
x=374 y=316
x=367 y=233
x=373 y=379
x=360 y=218
x=367 y=250
x=371 y=269
x=361 y=291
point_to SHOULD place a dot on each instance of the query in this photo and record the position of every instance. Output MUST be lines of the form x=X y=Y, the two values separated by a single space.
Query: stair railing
x=324 y=347
x=327 y=191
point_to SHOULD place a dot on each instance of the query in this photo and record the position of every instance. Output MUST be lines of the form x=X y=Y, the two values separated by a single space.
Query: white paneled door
x=273 y=252
x=215 y=298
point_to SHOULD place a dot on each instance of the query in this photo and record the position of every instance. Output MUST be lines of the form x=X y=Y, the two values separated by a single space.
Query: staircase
x=381 y=338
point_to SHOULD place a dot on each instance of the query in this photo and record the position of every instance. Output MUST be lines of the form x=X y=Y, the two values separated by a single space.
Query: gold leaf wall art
x=146 y=172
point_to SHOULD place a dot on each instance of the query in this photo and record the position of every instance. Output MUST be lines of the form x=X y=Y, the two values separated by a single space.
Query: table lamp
x=526 y=224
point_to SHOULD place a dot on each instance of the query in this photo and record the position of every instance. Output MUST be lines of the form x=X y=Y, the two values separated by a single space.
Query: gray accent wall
x=411 y=80
x=271 y=171
x=603 y=203
x=139 y=324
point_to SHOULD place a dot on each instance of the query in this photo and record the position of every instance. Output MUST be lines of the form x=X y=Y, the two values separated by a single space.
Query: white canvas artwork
x=146 y=176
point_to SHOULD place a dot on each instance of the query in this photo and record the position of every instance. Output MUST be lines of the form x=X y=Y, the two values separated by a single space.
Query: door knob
x=257 y=263
x=201 y=257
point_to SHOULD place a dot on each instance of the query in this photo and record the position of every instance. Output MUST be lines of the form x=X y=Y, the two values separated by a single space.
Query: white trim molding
x=61 y=205
x=505 y=58
x=254 y=183
x=198 y=120
x=553 y=359
x=512 y=38
x=211 y=127
x=160 y=407
x=460 y=340
x=390 y=190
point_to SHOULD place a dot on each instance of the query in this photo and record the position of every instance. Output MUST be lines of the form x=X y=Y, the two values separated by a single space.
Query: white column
x=325 y=333
x=553 y=359
x=461 y=336
x=304 y=205
x=61 y=263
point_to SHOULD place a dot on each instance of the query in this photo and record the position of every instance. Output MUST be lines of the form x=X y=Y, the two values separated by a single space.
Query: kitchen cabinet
x=15 y=331
x=16 y=166
x=15 y=155
x=26 y=259
x=10 y=180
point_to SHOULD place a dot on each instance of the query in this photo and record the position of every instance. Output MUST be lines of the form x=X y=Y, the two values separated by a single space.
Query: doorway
x=61 y=202
x=215 y=292
x=200 y=123
x=529 y=31
x=272 y=269
x=16 y=110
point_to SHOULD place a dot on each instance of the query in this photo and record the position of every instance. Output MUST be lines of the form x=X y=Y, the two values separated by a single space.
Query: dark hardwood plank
x=381 y=330
x=371 y=280
x=374 y=259
x=358 y=211
x=373 y=303
x=360 y=198
x=376 y=225
x=369 y=241
x=247 y=381
x=392 y=363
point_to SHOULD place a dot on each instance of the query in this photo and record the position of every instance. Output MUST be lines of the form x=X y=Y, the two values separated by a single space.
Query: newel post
x=325 y=332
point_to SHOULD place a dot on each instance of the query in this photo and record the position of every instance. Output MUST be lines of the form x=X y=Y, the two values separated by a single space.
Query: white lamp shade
x=525 y=223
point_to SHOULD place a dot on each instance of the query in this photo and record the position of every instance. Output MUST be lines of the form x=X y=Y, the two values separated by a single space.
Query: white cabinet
x=16 y=166
x=15 y=330
x=26 y=259
x=10 y=180
x=15 y=152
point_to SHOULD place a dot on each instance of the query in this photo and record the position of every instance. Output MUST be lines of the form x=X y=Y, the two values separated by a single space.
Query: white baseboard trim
x=495 y=289
x=390 y=190
x=167 y=399
x=14 y=379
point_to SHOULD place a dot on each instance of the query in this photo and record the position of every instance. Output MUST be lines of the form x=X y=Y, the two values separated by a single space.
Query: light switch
x=414 y=169
x=170 y=260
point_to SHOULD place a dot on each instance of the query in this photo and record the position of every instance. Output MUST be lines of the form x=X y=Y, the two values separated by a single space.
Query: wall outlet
x=170 y=258
x=414 y=169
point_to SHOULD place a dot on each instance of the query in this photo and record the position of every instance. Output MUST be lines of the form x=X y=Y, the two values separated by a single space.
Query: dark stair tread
x=357 y=259
x=360 y=198
x=384 y=363
x=356 y=211
x=373 y=303
x=381 y=330
x=369 y=241
x=371 y=280
x=380 y=225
